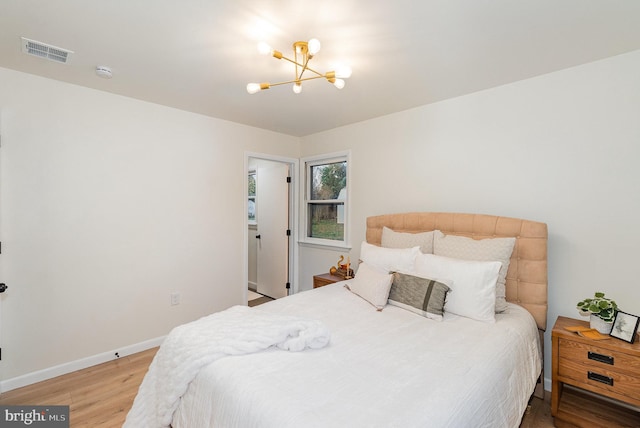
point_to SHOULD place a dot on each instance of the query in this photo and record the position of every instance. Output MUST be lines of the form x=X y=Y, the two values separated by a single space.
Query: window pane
x=328 y=180
x=252 y=197
x=252 y=209
x=252 y=184
x=325 y=221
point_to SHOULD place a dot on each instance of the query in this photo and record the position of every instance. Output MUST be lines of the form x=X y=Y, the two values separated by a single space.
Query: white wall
x=109 y=204
x=562 y=148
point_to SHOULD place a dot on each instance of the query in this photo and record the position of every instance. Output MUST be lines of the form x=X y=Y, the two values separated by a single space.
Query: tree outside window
x=252 y=197
x=326 y=199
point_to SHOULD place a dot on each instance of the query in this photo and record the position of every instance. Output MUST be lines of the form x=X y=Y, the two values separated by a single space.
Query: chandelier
x=303 y=52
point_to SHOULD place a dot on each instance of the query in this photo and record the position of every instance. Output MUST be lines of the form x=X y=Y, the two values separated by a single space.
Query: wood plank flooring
x=539 y=413
x=98 y=396
x=259 y=301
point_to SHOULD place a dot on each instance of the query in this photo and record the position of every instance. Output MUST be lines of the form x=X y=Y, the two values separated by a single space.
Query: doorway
x=270 y=228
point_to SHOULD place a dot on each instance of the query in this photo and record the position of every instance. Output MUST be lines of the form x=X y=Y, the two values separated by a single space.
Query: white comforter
x=382 y=369
x=237 y=331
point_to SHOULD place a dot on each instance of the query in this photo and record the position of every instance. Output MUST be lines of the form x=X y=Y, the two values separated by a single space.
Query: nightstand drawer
x=598 y=359
x=601 y=378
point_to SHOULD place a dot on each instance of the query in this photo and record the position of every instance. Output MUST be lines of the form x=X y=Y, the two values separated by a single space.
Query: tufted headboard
x=527 y=275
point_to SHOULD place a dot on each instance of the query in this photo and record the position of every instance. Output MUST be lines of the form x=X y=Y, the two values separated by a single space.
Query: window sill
x=336 y=247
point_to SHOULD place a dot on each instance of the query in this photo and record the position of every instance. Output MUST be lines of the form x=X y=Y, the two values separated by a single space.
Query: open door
x=273 y=231
x=3 y=287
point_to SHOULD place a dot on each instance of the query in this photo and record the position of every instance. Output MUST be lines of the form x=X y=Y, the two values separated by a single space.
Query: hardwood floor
x=539 y=414
x=101 y=396
x=259 y=301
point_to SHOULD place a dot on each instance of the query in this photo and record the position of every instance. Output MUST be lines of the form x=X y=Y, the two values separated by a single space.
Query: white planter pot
x=600 y=325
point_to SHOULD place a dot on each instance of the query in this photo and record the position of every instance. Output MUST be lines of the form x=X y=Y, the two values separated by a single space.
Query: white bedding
x=189 y=347
x=381 y=369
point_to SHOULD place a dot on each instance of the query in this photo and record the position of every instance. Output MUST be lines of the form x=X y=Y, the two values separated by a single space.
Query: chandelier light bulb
x=314 y=46
x=343 y=72
x=297 y=88
x=264 y=48
x=339 y=83
x=252 y=88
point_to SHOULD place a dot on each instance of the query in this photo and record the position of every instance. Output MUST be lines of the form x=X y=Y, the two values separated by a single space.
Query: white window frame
x=307 y=163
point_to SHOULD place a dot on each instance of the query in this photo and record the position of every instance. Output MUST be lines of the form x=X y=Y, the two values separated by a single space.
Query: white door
x=272 y=211
x=2 y=286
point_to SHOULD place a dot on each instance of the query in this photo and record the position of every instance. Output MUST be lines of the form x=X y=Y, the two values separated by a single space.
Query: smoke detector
x=104 y=72
x=46 y=51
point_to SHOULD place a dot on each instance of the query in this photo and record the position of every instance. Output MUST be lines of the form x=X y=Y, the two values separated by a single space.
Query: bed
x=393 y=367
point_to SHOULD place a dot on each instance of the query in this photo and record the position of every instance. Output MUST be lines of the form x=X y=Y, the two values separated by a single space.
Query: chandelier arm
x=296 y=81
x=304 y=67
x=313 y=71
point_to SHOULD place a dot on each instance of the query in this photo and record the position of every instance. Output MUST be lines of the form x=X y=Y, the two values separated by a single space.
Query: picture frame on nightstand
x=625 y=326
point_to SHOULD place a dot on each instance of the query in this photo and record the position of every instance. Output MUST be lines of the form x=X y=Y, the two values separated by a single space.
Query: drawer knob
x=600 y=378
x=600 y=358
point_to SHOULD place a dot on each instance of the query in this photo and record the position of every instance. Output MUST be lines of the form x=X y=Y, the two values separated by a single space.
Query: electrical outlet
x=175 y=298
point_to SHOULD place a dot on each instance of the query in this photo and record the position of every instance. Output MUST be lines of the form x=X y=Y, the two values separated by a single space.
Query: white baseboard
x=72 y=366
x=547 y=384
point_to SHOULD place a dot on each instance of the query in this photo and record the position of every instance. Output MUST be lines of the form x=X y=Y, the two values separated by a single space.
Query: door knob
x=257 y=236
x=3 y=288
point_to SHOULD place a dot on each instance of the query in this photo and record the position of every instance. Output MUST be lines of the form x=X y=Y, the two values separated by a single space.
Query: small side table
x=325 y=279
x=585 y=370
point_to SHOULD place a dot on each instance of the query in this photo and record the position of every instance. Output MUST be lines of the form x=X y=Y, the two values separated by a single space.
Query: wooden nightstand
x=590 y=370
x=324 y=279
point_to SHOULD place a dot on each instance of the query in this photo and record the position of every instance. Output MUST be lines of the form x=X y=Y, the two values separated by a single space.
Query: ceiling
x=198 y=55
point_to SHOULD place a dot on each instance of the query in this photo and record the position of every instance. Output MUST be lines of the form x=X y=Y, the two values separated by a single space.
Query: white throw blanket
x=188 y=348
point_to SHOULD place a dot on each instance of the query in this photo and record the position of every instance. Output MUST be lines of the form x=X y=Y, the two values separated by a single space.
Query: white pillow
x=393 y=239
x=472 y=284
x=388 y=259
x=489 y=249
x=372 y=285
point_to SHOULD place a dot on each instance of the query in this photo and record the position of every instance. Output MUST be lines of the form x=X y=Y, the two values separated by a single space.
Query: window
x=326 y=200
x=252 y=197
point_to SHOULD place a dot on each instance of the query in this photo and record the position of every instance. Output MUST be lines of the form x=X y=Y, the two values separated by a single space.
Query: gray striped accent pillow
x=422 y=296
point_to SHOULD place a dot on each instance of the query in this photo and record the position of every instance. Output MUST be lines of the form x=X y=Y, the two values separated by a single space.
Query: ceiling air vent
x=43 y=50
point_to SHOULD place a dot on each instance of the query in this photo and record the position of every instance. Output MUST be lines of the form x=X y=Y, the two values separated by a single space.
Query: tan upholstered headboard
x=527 y=274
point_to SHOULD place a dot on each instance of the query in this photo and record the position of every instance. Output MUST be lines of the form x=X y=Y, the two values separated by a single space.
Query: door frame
x=294 y=189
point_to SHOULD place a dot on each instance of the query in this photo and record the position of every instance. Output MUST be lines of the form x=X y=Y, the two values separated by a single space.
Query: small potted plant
x=602 y=311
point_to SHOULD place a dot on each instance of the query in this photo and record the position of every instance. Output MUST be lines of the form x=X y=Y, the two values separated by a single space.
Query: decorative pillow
x=393 y=239
x=472 y=284
x=422 y=296
x=490 y=249
x=388 y=259
x=372 y=285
